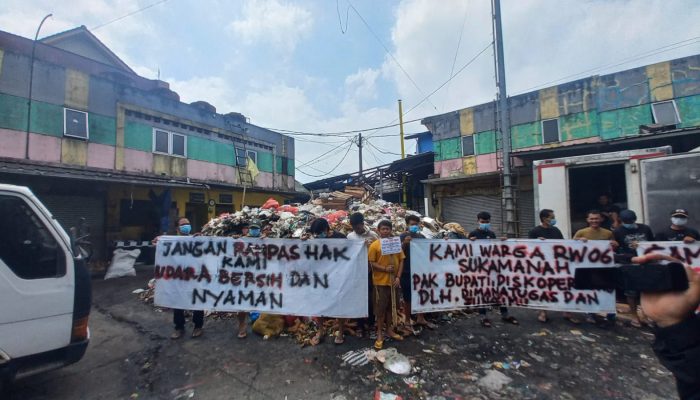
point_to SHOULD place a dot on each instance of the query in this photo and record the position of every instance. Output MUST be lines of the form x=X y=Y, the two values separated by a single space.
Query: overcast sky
x=316 y=66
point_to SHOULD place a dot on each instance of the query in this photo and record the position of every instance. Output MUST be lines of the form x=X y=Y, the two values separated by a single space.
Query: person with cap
x=184 y=228
x=679 y=231
x=627 y=236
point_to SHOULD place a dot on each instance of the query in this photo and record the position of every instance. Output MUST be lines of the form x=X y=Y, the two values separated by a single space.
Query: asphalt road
x=131 y=357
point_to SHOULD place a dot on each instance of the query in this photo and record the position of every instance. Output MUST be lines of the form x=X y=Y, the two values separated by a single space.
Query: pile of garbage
x=291 y=221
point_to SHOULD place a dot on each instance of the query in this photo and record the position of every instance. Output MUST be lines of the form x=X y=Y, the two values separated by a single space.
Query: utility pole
x=403 y=154
x=31 y=82
x=508 y=198
x=359 y=146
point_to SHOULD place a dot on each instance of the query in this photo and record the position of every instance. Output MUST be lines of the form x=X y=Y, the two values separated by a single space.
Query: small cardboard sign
x=391 y=245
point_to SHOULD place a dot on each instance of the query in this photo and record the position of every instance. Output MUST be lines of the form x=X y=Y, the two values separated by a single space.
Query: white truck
x=652 y=182
x=45 y=291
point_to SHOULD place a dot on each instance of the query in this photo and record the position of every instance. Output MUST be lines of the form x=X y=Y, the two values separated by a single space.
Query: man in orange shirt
x=386 y=272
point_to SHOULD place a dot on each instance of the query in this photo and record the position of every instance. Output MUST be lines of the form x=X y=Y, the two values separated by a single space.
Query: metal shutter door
x=69 y=209
x=526 y=212
x=463 y=210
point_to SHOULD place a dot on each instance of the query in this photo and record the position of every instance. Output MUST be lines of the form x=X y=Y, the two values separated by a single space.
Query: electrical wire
x=340 y=20
x=648 y=53
x=334 y=168
x=318 y=158
x=383 y=151
x=338 y=134
x=94 y=28
x=454 y=61
x=388 y=52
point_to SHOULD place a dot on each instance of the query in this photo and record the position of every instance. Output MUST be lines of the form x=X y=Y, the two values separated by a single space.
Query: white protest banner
x=454 y=274
x=391 y=245
x=688 y=253
x=319 y=277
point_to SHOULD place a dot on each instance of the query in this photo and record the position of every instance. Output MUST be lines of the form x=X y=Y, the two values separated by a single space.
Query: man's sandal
x=378 y=344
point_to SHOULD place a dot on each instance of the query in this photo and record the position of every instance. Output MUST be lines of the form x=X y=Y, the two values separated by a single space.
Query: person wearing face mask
x=250 y=230
x=184 y=228
x=547 y=230
x=679 y=231
x=627 y=236
x=320 y=229
x=484 y=232
x=412 y=232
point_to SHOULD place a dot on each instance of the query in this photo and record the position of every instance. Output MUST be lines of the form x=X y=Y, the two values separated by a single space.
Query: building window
x=241 y=159
x=170 y=143
x=225 y=198
x=179 y=145
x=550 y=130
x=253 y=155
x=665 y=113
x=468 y=145
x=75 y=123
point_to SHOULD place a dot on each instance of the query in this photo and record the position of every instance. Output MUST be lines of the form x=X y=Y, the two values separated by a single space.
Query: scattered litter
x=428 y=351
x=644 y=356
x=445 y=349
x=413 y=381
x=138 y=291
x=386 y=396
x=587 y=339
x=536 y=357
x=398 y=363
x=356 y=358
x=494 y=380
x=540 y=333
x=576 y=332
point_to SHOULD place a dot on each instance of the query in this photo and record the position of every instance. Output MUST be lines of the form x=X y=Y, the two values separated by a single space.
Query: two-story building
x=646 y=107
x=94 y=139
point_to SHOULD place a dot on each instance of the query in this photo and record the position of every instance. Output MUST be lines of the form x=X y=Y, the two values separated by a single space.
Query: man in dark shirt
x=629 y=233
x=678 y=231
x=627 y=236
x=547 y=230
x=484 y=232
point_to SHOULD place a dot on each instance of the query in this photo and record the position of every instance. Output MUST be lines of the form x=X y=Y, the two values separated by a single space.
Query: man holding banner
x=184 y=228
x=678 y=231
x=386 y=259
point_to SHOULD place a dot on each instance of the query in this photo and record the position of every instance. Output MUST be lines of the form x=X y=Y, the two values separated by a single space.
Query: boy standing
x=386 y=272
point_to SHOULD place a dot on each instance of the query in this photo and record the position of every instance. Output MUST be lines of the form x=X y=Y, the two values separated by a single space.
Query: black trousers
x=678 y=349
x=179 y=319
x=504 y=311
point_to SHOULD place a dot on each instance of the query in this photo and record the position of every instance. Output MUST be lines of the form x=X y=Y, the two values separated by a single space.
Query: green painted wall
x=13 y=112
x=138 y=136
x=103 y=129
x=290 y=166
x=624 y=122
x=278 y=164
x=526 y=135
x=47 y=119
x=265 y=162
x=448 y=149
x=578 y=126
x=689 y=110
x=485 y=142
x=211 y=151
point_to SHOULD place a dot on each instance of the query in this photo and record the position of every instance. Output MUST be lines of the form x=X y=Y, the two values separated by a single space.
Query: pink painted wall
x=486 y=163
x=264 y=180
x=202 y=170
x=100 y=156
x=13 y=143
x=449 y=168
x=44 y=148
x=138 y=161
